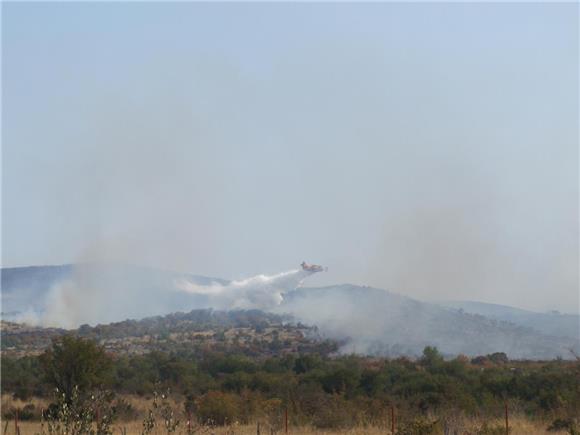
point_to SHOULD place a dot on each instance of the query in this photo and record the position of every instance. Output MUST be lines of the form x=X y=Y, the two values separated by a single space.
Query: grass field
x=518 y=426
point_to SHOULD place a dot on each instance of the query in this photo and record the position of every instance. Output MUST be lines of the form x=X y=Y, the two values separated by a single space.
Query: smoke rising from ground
x=364 y=320
x=103 y=293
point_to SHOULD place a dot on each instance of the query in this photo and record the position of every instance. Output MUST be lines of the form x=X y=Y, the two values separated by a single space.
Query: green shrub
x=217 y=408
x=420 y=426
x=24 y=414
x=567 y=424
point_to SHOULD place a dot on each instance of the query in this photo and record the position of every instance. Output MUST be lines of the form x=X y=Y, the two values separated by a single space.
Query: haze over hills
x=380 y=322
x=70 y=295
x=550 y=323
x=363 y=319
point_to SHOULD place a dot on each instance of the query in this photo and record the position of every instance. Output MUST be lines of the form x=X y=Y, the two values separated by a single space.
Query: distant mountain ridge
x=362 y=319
x=550 y=323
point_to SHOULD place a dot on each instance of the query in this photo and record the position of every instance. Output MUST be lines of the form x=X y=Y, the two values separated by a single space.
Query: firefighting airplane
x=312 y=267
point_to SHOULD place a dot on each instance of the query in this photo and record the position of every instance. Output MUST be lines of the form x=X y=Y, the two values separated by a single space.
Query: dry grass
x=7 y=401
x=519 y=426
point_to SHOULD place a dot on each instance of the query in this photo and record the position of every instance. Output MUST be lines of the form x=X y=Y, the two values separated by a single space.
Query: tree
x=305 y=363
x=431 y=357
x=498 y=358
x=75 y=362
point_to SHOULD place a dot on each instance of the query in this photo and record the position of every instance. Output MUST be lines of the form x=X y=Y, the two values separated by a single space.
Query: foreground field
x=519 y=426
x=76 y=383
x=449 y=424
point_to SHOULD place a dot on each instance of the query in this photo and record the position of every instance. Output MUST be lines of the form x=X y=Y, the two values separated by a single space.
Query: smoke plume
x=260 y=291
x=104 y=293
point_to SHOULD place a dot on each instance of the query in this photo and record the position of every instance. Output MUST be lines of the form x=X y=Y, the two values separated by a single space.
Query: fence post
x=507 y=425
x=286 y=420
x=392 y=419
x=258 y=429
x=16 y=422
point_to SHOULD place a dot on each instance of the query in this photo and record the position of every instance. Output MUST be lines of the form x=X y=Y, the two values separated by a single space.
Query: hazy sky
x=430 y=149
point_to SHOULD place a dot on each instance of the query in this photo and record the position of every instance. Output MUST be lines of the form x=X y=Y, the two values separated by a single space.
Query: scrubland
x=76 y=387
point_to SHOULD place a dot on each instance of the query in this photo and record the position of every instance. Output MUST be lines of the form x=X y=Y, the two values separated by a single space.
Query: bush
x=567 y=424
x=420 y=426
x=487 y=429
x=334 y=412
x=24 y=414
x=217 y=408
x=123 y=410
x=80 y=413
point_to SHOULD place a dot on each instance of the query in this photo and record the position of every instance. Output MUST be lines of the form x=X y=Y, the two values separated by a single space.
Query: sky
x=428 y=149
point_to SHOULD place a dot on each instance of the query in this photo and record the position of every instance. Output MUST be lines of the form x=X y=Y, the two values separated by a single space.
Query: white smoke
x=72 y=302
x=260 y=291
x=27 y=317
x=104 y=293
x=62 y=307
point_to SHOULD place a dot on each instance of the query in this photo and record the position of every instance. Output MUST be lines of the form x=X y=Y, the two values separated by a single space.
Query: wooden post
x=16 y=430
x=258 y=429
x=507 y=425
x=286 y=420
x=392 y=419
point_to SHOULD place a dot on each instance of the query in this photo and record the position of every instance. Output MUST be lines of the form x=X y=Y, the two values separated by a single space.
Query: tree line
x=320 y=390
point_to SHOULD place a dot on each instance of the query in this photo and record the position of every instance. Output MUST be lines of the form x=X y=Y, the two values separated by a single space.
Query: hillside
x=362 y=319
x=551 y=323
x=252 y=333
x=379 y=322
